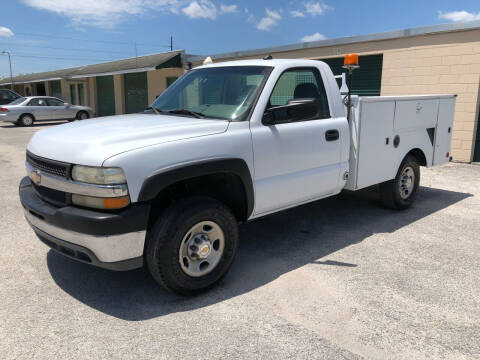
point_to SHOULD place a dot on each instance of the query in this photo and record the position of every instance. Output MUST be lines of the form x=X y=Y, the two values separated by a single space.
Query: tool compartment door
x=443 y=133
x=374 y=164
x=415 y=114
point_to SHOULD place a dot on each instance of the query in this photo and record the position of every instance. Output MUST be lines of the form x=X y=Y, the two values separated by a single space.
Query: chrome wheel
x=407 y=182
x=201 y=249
x=27 y=120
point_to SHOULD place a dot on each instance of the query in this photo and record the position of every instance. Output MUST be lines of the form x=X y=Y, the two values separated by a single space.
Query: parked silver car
x=26 y=110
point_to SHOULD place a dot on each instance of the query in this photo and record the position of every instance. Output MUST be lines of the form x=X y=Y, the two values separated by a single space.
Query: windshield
x=218 y=92
x=18 y=101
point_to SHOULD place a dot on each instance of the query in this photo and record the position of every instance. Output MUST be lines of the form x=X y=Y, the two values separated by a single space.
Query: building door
x=105 y=95
x=171 y=80
x=73 y=94
x=40 y=87
x=136 y=92
x=367 y=80
x=476 y=154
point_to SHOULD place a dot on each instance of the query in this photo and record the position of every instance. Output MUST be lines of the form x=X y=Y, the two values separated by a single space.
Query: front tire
x=192 y=245
x=82 y=115
x=26 y=120
x=400 y=192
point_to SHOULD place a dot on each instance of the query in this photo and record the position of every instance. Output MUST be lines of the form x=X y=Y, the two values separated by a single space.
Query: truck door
x=297 y=161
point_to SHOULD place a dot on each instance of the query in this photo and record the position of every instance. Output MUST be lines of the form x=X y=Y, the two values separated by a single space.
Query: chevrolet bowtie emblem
x=35 y=176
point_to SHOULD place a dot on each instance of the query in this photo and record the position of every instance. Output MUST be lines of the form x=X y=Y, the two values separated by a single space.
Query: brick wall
x=440 y=69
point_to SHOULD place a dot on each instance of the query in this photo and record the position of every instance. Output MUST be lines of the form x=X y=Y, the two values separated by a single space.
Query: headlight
x=98 y=175
x=100 y=203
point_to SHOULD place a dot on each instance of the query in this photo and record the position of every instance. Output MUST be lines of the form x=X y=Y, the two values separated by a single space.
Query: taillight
x=3 y=109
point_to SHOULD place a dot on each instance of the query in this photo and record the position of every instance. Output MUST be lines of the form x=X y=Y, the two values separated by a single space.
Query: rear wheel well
x=25 y=114
x=227 y=188
x=419 y=155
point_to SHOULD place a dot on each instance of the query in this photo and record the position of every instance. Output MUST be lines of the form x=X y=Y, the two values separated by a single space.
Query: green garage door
x=367 y=80
x=476 y=154
x=105 y=95
x=136 y=92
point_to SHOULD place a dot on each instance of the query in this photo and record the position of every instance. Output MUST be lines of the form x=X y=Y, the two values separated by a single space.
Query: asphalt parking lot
x=342 y=278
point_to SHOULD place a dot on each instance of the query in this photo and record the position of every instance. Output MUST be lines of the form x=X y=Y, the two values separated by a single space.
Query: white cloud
x=5 y=32
x=297 y=13
x=273 y=14
x=202 y=9
x=459 y=16
x=269 y=21
x=316 y=8
x=102 y=13
x=314 y=37
x=228 y=8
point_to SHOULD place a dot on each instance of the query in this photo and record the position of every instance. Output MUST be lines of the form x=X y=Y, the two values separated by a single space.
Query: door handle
x=332 y=135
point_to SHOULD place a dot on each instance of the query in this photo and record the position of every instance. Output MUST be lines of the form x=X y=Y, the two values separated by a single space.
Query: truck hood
x=91 y=142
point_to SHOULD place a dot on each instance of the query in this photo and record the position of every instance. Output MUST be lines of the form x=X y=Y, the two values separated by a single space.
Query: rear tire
x=400 y=192
x=199 y=223
x=26 y=120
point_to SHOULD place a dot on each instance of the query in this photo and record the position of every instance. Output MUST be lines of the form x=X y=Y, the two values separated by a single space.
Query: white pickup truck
x=226 y=143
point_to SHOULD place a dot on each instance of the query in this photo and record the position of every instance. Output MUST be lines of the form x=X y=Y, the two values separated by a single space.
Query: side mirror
x=294 y=110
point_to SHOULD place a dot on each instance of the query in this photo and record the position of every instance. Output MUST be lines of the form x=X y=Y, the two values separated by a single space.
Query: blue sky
x=51 y=34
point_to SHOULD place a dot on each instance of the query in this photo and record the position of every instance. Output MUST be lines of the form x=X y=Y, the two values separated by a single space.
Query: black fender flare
x=154 y=184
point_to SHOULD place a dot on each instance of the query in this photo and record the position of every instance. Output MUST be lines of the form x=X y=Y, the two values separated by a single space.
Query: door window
x=38 y=102
x=54 y=102
x=301 y=83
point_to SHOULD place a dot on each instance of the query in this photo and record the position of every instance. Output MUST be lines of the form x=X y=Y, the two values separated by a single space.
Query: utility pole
x=171 y=43
x=10 y=63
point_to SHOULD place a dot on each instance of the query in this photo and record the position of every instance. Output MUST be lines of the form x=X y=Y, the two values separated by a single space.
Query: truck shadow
x=269 y=247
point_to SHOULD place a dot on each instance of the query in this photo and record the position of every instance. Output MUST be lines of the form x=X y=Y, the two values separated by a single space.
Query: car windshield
x=217 y=92
x=18 y=101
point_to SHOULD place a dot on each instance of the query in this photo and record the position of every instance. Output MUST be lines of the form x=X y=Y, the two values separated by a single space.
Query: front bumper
x=110 y=240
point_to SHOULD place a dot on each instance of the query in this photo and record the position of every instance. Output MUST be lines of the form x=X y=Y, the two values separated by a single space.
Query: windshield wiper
x=155 y=110
x=198 y=115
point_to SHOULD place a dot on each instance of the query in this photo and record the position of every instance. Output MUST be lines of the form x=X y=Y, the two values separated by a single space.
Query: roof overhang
x=124 y=66
x=424 y=30
x=111 y=73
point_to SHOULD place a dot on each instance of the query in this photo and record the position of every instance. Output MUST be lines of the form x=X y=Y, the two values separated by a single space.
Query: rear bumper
x=8 y=117
x=110 y=240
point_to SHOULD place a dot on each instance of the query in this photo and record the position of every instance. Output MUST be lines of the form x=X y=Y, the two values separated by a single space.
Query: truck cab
x=226 y=143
